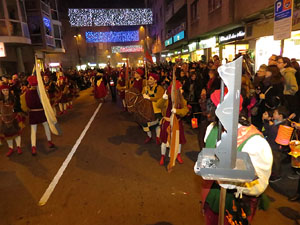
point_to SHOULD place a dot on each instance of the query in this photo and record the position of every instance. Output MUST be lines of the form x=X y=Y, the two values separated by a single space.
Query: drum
x=295 y=153
x=140 y=107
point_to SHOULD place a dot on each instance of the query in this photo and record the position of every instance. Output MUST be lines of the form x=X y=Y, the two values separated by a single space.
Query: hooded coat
x=290 y=85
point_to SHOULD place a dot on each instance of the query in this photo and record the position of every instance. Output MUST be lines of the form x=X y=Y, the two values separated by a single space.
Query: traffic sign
x=283 y=19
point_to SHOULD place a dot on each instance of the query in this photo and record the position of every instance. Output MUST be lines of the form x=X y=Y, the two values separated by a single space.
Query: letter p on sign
x=278 y=6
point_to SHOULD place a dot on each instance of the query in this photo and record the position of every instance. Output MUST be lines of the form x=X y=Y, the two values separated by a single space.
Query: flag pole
x=223 y=190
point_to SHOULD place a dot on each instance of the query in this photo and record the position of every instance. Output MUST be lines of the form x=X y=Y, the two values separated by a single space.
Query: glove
x=173 y=110
x=146 y=96
x=165 y=96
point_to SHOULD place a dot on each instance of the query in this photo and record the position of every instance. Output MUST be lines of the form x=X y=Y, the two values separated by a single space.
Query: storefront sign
x=184 y=50
x=2 y=50
x=208 y=43
x=54 y=64
x=178 y=36
x=233 y=35
x=283 y=19
x=169 y=42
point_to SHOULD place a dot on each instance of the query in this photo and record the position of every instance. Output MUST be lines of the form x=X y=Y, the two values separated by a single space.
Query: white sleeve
x=208 y=130
x=262 y=159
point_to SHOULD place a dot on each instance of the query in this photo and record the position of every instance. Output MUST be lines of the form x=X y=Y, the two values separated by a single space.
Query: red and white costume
x=31 y=103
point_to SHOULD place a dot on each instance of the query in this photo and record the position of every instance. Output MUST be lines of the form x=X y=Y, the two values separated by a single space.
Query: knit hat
x=4 y=86
x=177 y=85
x=140 y=71
x=155 y=76
x=215 y=97
x=32 y=80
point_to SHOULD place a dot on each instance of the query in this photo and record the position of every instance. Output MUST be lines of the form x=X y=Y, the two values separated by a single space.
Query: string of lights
x=127 y=49
x=110 y=17
x=111 y=36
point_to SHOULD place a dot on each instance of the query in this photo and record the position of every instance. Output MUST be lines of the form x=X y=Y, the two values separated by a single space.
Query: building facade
x=15 y=37
x=28 y=29
x=225 y=28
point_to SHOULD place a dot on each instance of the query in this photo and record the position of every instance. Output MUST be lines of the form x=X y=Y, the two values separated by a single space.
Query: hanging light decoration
x=112 y=36
x=110 y=17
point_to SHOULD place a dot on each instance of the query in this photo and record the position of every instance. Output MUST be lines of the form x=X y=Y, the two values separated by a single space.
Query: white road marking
x=61 y=170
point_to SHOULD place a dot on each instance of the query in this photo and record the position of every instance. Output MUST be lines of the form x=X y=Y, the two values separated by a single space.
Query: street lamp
x=78 y=52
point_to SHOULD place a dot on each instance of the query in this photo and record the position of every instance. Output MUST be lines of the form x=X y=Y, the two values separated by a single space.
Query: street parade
x=190 y=124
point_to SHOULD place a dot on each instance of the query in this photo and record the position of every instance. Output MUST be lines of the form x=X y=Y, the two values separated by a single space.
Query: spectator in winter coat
x=290 y=84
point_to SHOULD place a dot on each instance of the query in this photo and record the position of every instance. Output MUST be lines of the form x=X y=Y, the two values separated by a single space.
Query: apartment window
x=3 y=30
x=31 y=5
x=12 y=9
x=53 y=4
x=22 y=8
x=194 y=10
x=214 y=5
x=56 y=31
x=54 y=14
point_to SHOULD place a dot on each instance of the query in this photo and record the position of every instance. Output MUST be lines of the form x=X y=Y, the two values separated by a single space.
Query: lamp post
x=78 y=52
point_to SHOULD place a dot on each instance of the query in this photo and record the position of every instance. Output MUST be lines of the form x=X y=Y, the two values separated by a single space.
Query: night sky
x=64 y=4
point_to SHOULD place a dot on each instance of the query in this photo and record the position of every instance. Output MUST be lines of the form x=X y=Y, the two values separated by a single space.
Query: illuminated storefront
x=208 y=47
x=232 y=43
x=266 y=46
x=292 y=46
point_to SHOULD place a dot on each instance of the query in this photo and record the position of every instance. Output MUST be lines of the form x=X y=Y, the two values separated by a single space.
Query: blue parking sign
x=278 y=6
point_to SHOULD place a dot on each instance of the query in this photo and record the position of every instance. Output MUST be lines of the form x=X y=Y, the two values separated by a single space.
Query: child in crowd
x=271 y=127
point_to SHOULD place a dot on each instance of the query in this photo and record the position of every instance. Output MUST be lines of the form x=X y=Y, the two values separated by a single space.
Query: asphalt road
x=112 y=179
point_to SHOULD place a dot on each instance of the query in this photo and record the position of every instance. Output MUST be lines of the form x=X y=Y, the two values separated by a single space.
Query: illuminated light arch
x=127 y=49
x=112 y=36
x=110 y=17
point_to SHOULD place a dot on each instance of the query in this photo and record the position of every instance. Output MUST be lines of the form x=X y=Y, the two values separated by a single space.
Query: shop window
x=194 y=10
x=3 y=29
x=214 y=5
x=12 y=9
x=1 y=10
